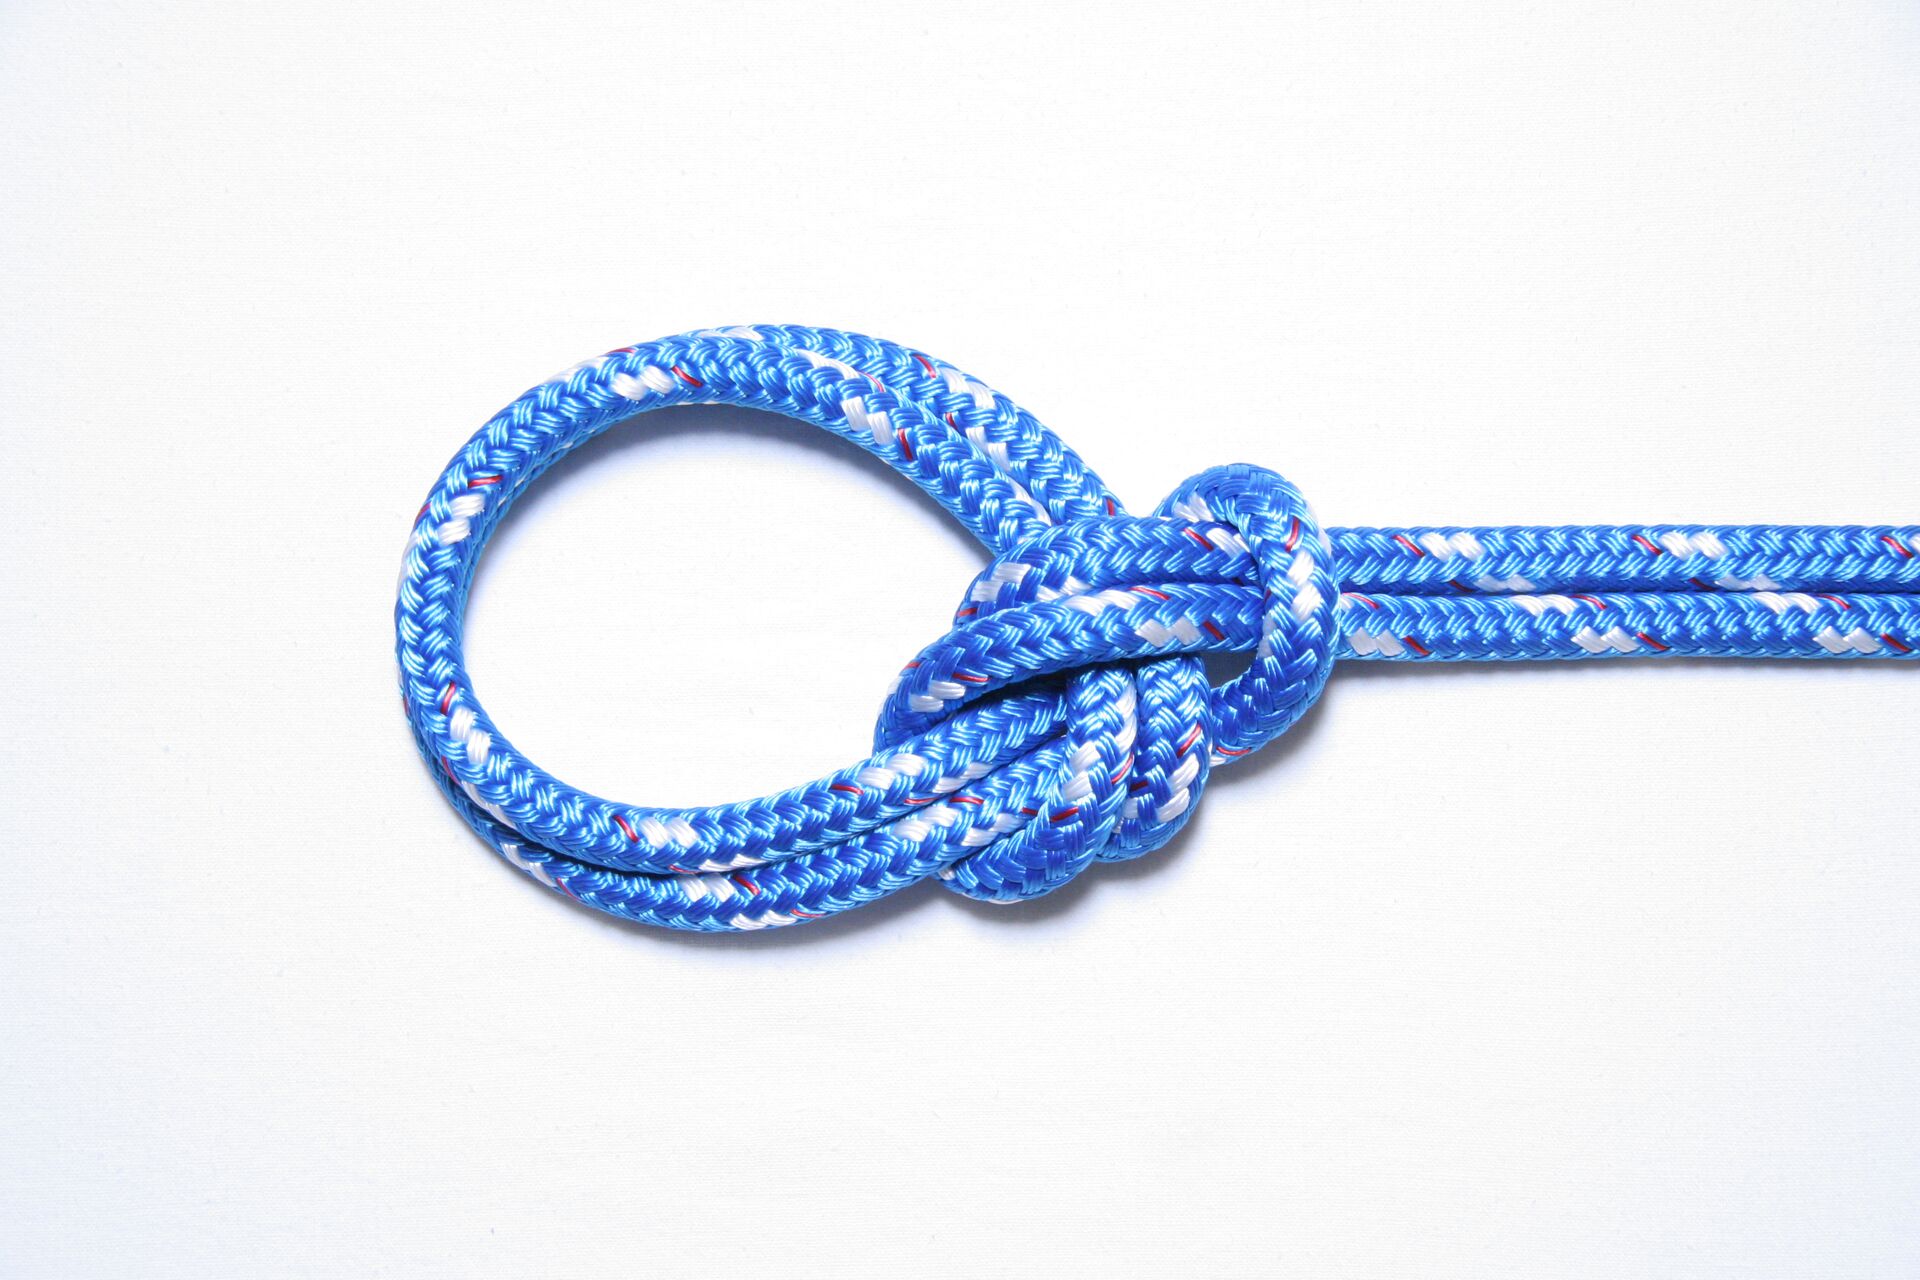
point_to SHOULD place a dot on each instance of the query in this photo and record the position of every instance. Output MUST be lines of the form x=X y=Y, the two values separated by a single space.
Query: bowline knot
x=1117 y=610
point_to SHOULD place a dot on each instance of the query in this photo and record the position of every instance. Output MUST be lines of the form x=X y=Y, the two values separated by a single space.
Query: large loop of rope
x=1065 y=718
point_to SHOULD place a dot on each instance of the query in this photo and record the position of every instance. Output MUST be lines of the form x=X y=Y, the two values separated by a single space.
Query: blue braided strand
x=1065 y=718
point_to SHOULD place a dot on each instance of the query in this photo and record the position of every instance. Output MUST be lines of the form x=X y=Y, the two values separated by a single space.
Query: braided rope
x=1066 y=717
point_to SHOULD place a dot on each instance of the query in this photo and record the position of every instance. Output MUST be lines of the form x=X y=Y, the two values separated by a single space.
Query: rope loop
x=1066 y=717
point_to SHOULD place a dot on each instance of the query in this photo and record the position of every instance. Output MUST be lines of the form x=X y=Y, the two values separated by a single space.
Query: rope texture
x=1066 y=718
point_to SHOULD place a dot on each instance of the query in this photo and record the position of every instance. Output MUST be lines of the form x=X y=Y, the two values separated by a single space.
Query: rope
x=1066 y=718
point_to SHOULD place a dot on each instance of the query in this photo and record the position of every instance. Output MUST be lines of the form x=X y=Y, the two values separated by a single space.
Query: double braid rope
x=1066 y=717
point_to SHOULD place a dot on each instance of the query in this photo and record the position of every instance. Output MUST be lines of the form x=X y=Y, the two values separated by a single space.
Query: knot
x=1116 y=609
x=1066 y=717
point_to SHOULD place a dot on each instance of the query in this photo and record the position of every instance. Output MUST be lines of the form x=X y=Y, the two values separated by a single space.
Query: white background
x=1608 y=970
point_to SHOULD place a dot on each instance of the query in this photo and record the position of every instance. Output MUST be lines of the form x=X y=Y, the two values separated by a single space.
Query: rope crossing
x=1066 y=718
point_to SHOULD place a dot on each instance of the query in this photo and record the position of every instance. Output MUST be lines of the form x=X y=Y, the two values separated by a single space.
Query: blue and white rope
x=1066 y=718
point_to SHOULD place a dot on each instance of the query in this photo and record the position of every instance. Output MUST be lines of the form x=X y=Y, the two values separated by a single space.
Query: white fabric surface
x=1589 y=972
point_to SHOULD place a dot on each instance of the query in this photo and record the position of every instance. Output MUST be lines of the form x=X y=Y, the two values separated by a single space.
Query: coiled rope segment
x=1065 y=717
